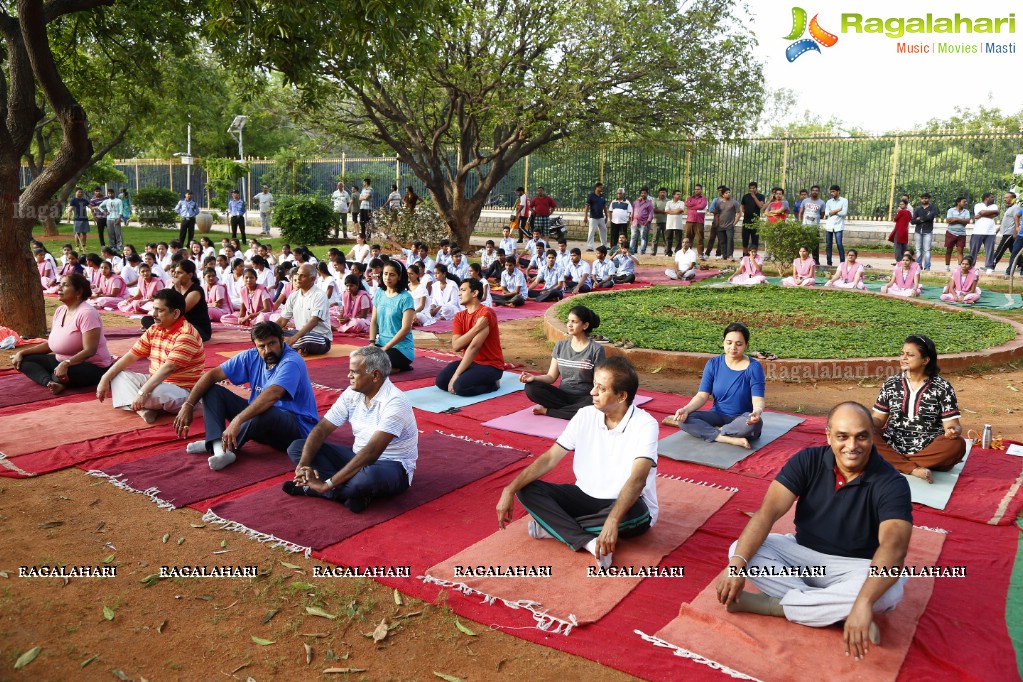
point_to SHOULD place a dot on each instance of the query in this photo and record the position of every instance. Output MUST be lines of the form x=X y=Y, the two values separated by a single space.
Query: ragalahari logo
x=818 y=35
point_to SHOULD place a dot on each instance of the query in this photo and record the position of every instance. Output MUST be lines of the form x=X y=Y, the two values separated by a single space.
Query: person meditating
x=736 y=383
x=614 y=495
x=905 y=279
x=804 y=271
x=394 y=311
x=916 y=415
x=280 y=409
x=309 y=311
x=382 y=460
x=574 y=360
x=256 y=303
x=853 y=511
x=475 y=335
x=176 y=359
x=849 y=274
x=75 y=354
x=962 y=283
x=141 y=302
x=751 y=269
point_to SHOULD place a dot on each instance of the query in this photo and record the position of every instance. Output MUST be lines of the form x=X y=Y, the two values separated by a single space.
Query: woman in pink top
x=849 y=274
x=142 y=302
x=905 y=280
x=217 y=300
x=355 y=307
x=962 y=284
x=112 y=289
x=47 y=273
x=76 y=353
x=255 y=303
x=804 y=271
x=751 y=269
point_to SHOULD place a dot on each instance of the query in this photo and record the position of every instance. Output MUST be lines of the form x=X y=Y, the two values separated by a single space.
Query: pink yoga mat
x=755 y=645
x=569 y=595
x=504 y=314
x=542 y=426
x=445 y=464
x=335 y=374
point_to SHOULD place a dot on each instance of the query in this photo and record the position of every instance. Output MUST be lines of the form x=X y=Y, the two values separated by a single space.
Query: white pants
x=598 y=225
x=815 y=601
x=125 y=388
x=688 y=274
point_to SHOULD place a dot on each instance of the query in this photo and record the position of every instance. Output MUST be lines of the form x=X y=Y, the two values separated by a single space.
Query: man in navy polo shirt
x=853 y=513
x=280 y=409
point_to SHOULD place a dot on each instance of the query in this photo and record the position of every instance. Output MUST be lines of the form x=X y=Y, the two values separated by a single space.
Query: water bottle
x=985 y=439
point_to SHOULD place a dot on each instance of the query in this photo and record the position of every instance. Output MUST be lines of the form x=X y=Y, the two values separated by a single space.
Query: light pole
x=186 y=158
x=236 y=129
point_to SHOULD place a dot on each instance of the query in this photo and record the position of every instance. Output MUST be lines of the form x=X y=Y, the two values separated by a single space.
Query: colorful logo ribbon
x=804 y=45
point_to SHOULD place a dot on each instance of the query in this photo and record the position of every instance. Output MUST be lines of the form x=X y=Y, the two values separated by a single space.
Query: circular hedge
x=792 y=323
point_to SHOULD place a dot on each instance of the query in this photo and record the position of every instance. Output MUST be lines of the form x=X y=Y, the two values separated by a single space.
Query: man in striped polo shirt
x=176 y=358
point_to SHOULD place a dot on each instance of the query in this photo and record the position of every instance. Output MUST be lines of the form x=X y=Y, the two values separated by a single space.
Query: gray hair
x=376 y=359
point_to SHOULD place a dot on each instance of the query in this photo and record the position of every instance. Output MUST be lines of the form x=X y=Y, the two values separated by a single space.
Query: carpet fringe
x=685 y=653
x=11 y=466
x=118 y=482
x=544 y=621
x=933 y=530
x=1003 y=506
x=473 y=440
x=226 y=524
x=726 y=488
x=326 y=388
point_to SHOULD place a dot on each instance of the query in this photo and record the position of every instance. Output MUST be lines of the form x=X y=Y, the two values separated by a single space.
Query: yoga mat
x=504 y=314
x=540 y=425
x=18 y=389
x=433 y=399
x=176 y=478
x=685 y=448
x=569 y=596
x=770 y=648
x=445 y=464
x=335 y=375
x=989 y=489
x=655 y=275
x=989 y=300
x=1014 y=605
x=936 y=495
x=337 y=350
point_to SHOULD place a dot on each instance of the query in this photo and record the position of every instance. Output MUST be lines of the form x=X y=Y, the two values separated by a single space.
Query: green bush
x=784 y=239
x=305 y=218
x=154 y=206
x=222 y=176
x=404 y=226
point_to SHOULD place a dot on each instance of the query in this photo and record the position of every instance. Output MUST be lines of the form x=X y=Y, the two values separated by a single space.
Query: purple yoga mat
x=504 y=314
x=18 y=389
x=335 y=374
x=445 y=464
x=541 y=426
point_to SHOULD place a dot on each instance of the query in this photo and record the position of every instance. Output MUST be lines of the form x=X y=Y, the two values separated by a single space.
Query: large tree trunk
x=20 y=289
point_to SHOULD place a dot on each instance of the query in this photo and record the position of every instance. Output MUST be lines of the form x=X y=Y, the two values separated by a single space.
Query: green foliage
x=154 y=206
x=304 y=218
x=222 y=177
x=289 y=175
x=793 y=323
x=101 y=173
x=785 y=237
x=404 y=226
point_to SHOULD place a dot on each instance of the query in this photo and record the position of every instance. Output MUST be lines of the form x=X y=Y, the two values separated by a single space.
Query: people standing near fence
x=660 y=218
x=752 y=202
x=1017 y=246
x=900 y=233
x=265 y=201
x=188 y=209
x=113 y=207
x=342 y=202
x=79 y=207
x=713 y=227
x=620 y=211
x=642 y=217
x=777 y=207
x=1009 y=227
x=394 y=199
x=99 y=214
x=956 y=218
x=696 y=207
x=542 y=207
x=835 y=211
x=923 y=219
x=803 y=195
x=984 y=230
x=673 y=211
x=596 y=214
x=521 y=216
x=727 y=214
x=366 y=206
x=410 y=200
x=236 y=213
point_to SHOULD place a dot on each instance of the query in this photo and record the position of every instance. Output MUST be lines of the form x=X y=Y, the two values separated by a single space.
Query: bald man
x=853 y=513
x=307 y=309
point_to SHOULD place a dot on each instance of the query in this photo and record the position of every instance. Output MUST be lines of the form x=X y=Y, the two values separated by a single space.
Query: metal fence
x=872 y=171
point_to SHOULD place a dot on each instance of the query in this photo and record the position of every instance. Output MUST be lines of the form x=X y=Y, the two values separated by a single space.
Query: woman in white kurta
x=444 y=297
x=849 y=274
x=419 y=287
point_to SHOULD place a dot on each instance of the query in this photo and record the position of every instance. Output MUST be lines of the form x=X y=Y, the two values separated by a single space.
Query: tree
x=466 y=97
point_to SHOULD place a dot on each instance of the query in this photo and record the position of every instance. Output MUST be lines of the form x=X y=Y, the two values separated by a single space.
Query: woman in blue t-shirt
x=394 y=311
x=736 y=383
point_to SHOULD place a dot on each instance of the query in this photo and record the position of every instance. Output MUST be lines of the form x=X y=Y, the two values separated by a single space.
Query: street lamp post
x=236 y=129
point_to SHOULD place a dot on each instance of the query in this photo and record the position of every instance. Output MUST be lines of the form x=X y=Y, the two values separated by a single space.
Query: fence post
x=603 y=152
x=525 y=176
x=895 y=169
x=784 y=160
x=170 y=172
x=344 y=168
x=689 y=165
x=397 y=170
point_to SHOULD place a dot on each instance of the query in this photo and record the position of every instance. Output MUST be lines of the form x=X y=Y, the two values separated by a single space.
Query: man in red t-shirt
x=475 y=335
x=542 y=206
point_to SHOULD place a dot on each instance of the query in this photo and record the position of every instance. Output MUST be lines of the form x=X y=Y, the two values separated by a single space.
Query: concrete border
x=806 y=369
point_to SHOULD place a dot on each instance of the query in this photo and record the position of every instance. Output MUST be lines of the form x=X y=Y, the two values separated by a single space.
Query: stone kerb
x=801 y=369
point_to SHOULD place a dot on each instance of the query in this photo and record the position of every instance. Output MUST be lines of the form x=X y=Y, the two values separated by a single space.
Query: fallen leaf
x=223 y=543
x=269 y=615
x=166 y=537
x=261 y=642
x=108 y=559
x=87 y=661
x=308 y=654
x=449 y=678
x=120 y=675
x=27 y=657
x=285 y=564
x=316 y=611
x=318 y=635
x=464 y=629
x=3 y=574
x=151 y=579
x=161 y=626
x=223 y=551
x=181 y=541
x=411 y=615
x=1012 y=388
x=342 y=671
x=198 y=525
x=100 y=526
x=397 y=597
x=51 y=524
x=108 y=613
x=381 y=631
x=243 y=665
x=655 y=370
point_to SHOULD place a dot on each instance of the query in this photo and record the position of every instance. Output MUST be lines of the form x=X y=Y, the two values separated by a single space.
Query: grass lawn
x=789 y=322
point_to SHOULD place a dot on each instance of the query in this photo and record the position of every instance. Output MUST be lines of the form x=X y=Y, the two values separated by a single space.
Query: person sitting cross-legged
x=475 y=335
x=614 y=495
x=382 y=461
x=309 y=310
x=280 y=409
x=853 y=513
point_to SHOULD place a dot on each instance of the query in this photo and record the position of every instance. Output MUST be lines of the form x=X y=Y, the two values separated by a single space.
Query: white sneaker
x=989 y=271
x=196 y=448
x=538 y=532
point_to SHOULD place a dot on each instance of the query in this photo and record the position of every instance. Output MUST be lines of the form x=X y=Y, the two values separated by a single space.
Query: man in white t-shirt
x=308 y=308
x=685 y=262
x=266 y=203
x=615 y=446
x=342 y=204
x=365 y=206
x=674 y=225
x=984 y=230
x=382 y=461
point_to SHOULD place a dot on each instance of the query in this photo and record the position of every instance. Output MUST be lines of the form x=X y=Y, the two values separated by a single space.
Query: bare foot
x=55 y=387
x=741 y=442
x=924 y=473
x=539 y=409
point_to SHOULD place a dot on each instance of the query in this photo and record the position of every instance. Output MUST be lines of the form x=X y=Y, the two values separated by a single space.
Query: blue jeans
x=275 y=427
x=1017 y=246
x=639 y=237
x=382 y=478
x=923 y=249
x=708 y=425
x=837 y=236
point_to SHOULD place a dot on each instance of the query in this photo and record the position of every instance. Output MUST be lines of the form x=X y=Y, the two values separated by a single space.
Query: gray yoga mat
x=685 y=448
x=936 y=495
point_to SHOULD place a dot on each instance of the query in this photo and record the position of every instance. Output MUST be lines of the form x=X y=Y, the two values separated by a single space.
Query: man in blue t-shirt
x=280 y=409
x=596 y=212
x=853 y=517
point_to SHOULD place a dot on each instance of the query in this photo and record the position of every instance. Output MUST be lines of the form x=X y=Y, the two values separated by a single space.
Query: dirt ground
x=184 y=629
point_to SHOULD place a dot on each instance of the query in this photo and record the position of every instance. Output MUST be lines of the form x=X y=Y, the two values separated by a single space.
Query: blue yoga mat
x=433 y=399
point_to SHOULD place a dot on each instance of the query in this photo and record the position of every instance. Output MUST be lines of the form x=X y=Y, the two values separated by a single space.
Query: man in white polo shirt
x=309 y=310
x=615 y=494
x=984 y=231
x=382 y=460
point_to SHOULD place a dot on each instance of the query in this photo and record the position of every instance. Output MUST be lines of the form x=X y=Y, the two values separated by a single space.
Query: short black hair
x=266 y=330
x=475 y=285
x=928 y=350
x=173 y=299
x=737 y=327
x=623 y=377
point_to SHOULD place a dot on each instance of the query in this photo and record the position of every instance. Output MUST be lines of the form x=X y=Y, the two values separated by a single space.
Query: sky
x=863 y=80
